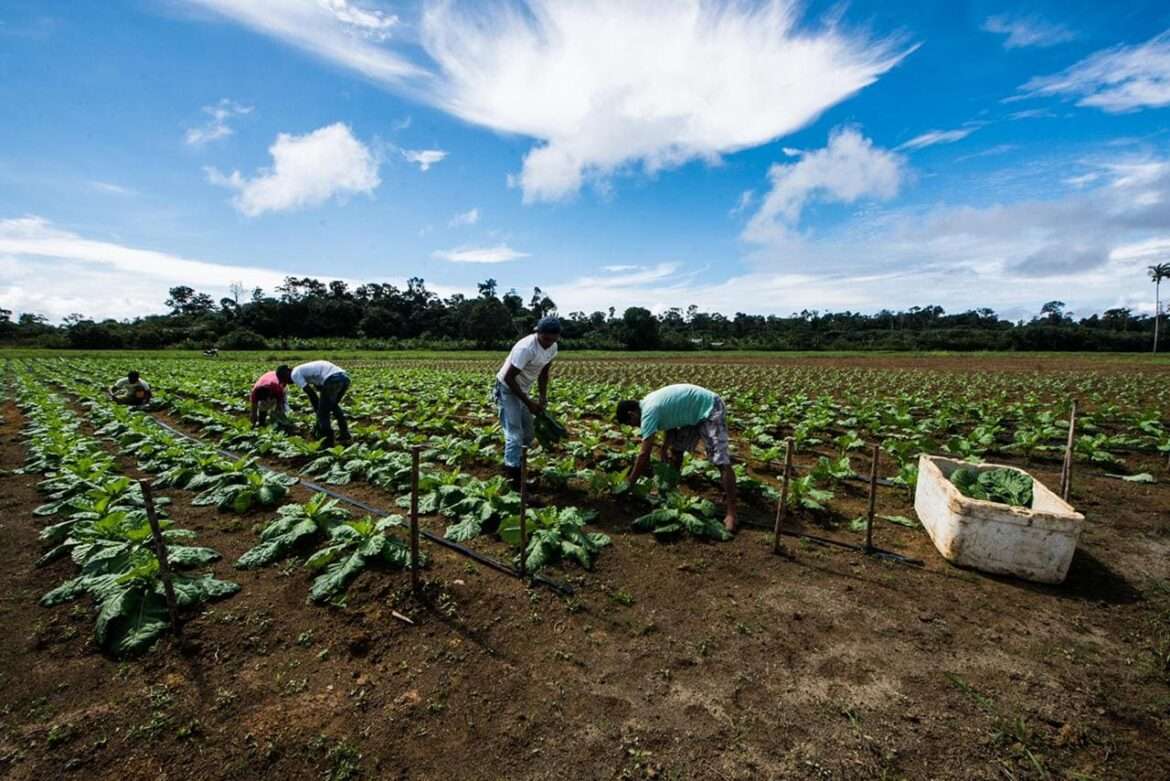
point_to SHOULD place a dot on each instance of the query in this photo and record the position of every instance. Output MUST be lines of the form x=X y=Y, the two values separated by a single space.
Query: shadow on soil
x=1089 y=580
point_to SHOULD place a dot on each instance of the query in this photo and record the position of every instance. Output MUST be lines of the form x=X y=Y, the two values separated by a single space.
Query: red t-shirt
x=268 y=380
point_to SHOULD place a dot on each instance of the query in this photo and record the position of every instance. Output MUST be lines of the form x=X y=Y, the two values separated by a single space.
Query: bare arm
x=542 y=383
x=253 y=412
x=643 y=462
x=525 y=399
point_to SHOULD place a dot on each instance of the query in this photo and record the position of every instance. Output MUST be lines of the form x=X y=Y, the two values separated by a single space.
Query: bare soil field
x=671 y=661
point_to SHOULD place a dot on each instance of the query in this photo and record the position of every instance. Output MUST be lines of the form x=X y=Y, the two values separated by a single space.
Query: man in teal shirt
x=685 y=414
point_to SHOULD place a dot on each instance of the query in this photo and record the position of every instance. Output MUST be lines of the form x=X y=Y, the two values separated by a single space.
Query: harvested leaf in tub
x=548 y=430
x=1005 y=486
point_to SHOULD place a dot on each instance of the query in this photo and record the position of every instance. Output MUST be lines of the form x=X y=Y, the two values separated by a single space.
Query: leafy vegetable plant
x=1005 y=486
x=295 y=524
x=681 y=513
x=355 y=546
x=555 y=534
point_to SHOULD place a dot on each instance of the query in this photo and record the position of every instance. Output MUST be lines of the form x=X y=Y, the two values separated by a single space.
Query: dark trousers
x=332 y=392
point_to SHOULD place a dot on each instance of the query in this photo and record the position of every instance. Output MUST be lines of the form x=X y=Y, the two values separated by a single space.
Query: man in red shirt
x=268 y=395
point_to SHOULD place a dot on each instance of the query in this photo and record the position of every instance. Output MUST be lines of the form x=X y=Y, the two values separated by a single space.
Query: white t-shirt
x=314 y=373
x=530 y=358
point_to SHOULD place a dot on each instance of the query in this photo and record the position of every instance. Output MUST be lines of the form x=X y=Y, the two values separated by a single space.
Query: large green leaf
x=130 y=617
x=337 y=576
x=278 y=546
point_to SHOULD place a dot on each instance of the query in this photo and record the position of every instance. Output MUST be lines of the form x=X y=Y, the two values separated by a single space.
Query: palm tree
x=1158 y=273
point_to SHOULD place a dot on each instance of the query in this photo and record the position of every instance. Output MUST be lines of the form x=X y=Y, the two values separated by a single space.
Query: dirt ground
x=672 y=661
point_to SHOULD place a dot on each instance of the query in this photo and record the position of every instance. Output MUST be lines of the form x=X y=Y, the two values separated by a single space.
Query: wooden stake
x=782 y=508
x=873 y=470
x=523 y=511
x=414 y=455
x=1066 y=470
x=160 y=551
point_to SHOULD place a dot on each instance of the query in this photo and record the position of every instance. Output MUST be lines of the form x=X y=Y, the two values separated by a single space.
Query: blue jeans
x=517 y=422
x=332 y=393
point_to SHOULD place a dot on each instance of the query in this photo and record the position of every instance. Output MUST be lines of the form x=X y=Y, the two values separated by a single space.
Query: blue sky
x=760 y=157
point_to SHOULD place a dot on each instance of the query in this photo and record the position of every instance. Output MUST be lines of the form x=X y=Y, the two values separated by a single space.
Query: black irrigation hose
x=825 y=541
x=487 y=561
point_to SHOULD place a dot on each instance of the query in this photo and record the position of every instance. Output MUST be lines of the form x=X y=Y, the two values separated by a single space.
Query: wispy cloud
x=469 y=217
x=746 y=199
x=324 y=31
x=848 y=169
x=1124 y=78
x=111 y=188
x=306 y=170
x=1021 y=31
x=991 y=151
x=371 y=22
x=501 y=253
x=424 y=158
x=217 y=127
x=579 y=78
x=932 y=137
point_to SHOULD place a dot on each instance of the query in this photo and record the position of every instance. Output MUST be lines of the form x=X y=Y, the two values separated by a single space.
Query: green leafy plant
x=548 y=431
x=355 y=546
x=484 y=504
x=555 y=534
x=803 y=492
x=681 y=513
x=295 y=524
x=242 y=488
x=1005 y=486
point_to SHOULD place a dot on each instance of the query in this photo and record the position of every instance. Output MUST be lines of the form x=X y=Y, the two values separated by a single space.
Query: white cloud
x=791 y=151
x=469 y=217
x=618 y=269
x=1024 y=31
x=498 y=254
x=1124 y=78
x=848 y=169
x=746 y=199
x=334 y=35
x=1087 y=247
x=991 y=151
x=306 y=171
x=580 y=77
x=604 y=86
x=110 y=187
x=424 y=158
x=55 y=272
x=217 y=127
x=932 y=137
x=372 y=22
x=1082 y=180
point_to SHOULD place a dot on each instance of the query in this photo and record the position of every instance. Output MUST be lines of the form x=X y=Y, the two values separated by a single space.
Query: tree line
x=304 y=312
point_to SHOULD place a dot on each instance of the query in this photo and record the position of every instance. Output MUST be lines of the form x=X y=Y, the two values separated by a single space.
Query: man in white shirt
x=528 y=362
x=331 y=382
x=131 y=390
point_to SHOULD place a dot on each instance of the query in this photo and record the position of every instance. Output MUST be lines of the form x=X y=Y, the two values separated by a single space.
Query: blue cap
x=548 y=325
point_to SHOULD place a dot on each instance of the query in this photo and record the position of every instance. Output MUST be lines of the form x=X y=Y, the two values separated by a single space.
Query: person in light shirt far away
x=528 y=362
x=685 y=414
x=268 y=396
x=331 y=383
x=131 y=389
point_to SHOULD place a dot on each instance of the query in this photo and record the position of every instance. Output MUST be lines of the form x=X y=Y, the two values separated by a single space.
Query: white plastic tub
x=1035 y=543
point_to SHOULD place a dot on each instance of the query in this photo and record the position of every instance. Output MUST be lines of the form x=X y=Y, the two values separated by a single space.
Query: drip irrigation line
x=487 y=561
x=880 y=553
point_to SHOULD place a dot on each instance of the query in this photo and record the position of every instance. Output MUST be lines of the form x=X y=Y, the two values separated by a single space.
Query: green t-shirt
x=675 y=406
